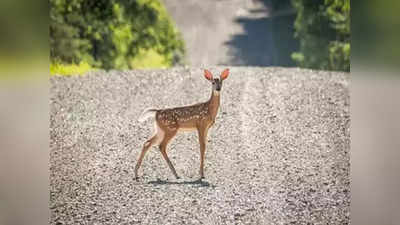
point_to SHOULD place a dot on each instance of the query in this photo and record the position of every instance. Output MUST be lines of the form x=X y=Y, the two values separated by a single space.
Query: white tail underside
x=147 y=114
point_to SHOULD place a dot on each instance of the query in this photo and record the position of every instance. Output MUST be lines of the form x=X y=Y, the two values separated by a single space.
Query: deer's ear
x=224 y=74
x=208 y=75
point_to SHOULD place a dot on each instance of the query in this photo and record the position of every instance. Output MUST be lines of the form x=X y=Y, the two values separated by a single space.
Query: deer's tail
x=147 y=114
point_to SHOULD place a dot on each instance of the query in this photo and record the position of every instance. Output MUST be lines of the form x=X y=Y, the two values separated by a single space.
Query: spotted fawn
x=168 y=122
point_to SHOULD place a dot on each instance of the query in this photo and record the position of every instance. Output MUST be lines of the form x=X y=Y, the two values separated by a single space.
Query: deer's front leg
x=202 y=139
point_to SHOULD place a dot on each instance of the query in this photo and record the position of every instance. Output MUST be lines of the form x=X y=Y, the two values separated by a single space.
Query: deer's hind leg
x=155 y=140
x=163 y=149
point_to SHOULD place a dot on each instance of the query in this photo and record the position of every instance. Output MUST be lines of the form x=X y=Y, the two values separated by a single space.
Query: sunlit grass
x=149 y=59
x=146 y=59
x=70 y=69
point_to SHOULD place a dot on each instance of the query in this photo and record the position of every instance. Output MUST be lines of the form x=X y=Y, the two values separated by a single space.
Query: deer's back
x=185 y=118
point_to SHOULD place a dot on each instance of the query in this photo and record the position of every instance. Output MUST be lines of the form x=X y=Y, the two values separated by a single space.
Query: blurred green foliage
x=323 y=27
x=113 y=34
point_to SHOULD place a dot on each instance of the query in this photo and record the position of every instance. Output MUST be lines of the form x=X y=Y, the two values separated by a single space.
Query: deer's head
x=216 y=82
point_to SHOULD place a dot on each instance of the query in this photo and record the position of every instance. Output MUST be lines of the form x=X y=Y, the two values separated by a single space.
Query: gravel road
x=277 y=154
x=225 y=32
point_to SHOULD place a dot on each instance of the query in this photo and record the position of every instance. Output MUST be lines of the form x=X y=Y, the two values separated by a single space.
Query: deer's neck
x=213 y=103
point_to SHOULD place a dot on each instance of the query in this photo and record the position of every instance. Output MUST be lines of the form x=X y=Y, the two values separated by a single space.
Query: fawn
x=168 y=122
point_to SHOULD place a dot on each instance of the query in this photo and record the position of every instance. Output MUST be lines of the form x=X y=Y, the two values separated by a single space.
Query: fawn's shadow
x=195 y=183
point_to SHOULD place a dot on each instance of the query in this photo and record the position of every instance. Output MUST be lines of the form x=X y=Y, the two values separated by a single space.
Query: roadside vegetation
x=111 y=34
x=323 y=30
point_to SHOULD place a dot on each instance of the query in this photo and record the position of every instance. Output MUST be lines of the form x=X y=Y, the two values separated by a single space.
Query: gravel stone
x=277 y=154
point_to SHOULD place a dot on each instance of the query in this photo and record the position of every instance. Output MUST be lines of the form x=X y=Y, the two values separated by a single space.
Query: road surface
x=277 y=154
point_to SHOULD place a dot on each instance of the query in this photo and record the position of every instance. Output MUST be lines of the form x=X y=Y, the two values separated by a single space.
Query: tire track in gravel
x=251 y=97
x=253 y=155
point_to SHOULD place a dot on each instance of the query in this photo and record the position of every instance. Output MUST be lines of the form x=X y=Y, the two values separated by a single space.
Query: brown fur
x=188 y=117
